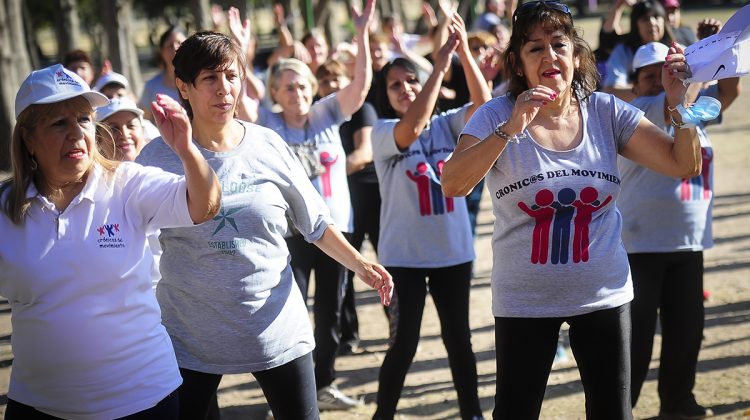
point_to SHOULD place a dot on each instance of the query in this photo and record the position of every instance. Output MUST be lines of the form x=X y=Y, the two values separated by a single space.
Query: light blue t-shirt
x=227 y=294
x=152 y=87
x=619 y=67
x=419 y=227
x=661 y=213
x=324 y=120
x=556 y=244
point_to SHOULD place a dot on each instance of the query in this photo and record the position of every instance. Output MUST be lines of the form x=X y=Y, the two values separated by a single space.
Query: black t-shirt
x=365 y=117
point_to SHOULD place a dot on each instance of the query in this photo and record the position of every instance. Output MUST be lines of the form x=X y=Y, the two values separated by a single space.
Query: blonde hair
x=16 y=204
x=294 y=65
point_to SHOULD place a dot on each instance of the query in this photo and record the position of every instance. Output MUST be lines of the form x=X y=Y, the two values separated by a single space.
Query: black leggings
x=526 y=347
x=449 y=287
x=289 y=390
x=669 y=284
x=166 y=409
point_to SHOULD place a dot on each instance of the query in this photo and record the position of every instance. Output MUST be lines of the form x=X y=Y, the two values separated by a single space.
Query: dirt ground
x=723 y=381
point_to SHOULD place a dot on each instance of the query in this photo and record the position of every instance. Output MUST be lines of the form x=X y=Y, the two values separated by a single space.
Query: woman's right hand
x=173 y=123
x=444 y=55
x=527 y=106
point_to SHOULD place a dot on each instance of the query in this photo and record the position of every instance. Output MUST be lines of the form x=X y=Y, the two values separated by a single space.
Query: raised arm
x=612 y=21
x=352 y=97
x=408 y=129
x=374 y=275
x=479 y=90
x=203 y=190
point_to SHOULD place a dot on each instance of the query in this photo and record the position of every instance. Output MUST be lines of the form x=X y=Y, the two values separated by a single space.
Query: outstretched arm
x=352 y=97
x=479 y=90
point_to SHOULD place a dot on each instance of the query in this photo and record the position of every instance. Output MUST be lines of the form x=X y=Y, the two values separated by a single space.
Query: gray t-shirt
x=556 y=243
x=322 y=128
x=419 y=227
x=227 y=294
x=661 y=213
x=152 y=87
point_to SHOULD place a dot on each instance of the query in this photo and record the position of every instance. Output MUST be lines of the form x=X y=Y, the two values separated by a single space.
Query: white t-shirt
x=87 y=335
x=556 y=244
x=419 y=227
x=662 y=213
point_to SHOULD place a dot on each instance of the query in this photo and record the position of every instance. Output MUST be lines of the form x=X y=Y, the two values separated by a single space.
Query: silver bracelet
x=505 y=136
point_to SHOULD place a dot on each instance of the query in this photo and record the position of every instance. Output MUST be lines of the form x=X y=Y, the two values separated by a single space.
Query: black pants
x=366 y=207
x=449 y=287
x=670 y=285
x=330 y=287
x=289 y=390
x=166 y=409
x=526 y=348
x=473 y=201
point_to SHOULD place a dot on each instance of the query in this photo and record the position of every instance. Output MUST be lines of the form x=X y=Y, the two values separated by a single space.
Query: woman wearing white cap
x=666 y=225
x=87 y=338
x=124 y=135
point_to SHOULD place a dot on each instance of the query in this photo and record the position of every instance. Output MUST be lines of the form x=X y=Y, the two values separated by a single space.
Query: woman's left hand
x=376 y=276
x=675 y=71
x=173 y=123
x=362 y=21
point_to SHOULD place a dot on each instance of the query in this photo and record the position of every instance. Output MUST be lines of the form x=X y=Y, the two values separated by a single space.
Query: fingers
x=675 y=64
x=384 y=284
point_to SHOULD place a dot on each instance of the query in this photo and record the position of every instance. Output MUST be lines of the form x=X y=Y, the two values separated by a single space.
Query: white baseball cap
x=116 y=105
x=651 y=53
x=108 y=78
x=54 y=84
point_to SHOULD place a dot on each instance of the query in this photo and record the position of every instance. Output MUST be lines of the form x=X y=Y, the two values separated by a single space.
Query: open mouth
x=75 y=154
x=551 y=73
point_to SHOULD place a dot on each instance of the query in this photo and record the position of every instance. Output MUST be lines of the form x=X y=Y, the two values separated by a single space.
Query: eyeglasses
x=533 y=5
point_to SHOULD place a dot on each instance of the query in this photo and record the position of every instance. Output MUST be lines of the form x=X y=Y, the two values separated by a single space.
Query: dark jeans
x=472 y=205
x=366 y=206
x=526 y=349
x=289 y=390
x=449 y=287
x=670 y=285
x=166 y=409
x=330 y=287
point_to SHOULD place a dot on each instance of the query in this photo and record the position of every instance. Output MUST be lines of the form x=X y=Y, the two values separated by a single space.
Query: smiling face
x=547 y=59
x=63 y=142
x=402 y=88
x=214 y=94
x=127 y=135
x=651 y=28
x=317 y=46
x=293 y=93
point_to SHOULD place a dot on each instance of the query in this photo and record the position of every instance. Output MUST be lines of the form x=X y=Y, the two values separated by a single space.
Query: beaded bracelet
x=505 y=136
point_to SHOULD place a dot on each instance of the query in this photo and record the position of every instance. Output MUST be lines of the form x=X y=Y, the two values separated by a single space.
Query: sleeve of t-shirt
x=365 y=117
x=328 y=108
x=384 y=144
x=625 y=119
x=618 y=67
x=154 y=196
x=146 y=96
x=484 y=120
x=307 y=210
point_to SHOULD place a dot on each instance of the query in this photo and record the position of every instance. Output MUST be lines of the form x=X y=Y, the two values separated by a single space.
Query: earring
x=34 y=165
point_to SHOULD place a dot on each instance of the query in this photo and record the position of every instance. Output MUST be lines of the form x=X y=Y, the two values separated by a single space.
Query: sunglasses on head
x=533 y=5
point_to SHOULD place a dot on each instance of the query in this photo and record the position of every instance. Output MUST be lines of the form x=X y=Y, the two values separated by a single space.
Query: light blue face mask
x=705 y=108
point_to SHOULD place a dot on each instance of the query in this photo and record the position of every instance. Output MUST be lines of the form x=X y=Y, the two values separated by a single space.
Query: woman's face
x=170 y=46
x=402 y=87
x=332 y=83
x=293 y=93
x=318 y=48
x=127 y=133
x=214 y=94
x=62 y=144
x=547 y=59
x=651 y=28
x=648 y=82
x=379 y=54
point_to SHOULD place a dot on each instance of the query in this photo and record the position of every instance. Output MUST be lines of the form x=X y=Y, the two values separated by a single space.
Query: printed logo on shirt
x=559 y=213
x=699 y=187
x=246 y=184
x=429 y=190
x=560 y=173
x=327 y=160
x=109 y=236
x=226 y=221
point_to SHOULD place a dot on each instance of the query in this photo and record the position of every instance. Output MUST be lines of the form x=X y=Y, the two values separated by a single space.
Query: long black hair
x=646 y=8
x=382 y=103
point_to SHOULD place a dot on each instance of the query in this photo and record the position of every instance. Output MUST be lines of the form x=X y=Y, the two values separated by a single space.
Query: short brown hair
x=206 y=51
x=331 y=67
x=585 y=76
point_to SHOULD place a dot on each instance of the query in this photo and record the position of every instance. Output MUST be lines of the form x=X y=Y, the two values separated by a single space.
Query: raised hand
x=428 y=14
x=278 y=14
x=443 y=58
x=527 y=107
x=674 y=72
x=708 y=27
x=173 y=124
x=240 y=29
x=362 y=21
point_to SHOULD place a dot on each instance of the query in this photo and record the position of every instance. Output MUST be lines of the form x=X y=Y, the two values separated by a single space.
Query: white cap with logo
x=651 y=53
x=108 y=78
x=116 y=105
x=54 y=84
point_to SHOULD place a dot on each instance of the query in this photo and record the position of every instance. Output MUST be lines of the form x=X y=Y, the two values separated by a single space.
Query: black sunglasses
x=533 y=5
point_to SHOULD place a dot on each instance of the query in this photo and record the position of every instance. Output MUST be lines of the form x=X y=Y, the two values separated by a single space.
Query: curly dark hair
x=585 y=76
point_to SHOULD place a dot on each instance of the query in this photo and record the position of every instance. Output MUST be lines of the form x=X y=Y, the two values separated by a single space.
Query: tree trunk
x=118 y=23
x=67 y=27
x=14 y=67
x=201 y=14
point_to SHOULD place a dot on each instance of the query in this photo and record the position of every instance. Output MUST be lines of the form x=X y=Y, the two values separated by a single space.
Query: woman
x=121 y=135
x=163 y=82
x=647 y=24
x=312 y=130
x=425 y=239
x=87 y=337
x=227 y=292
x=665 y=229
x=549 y=150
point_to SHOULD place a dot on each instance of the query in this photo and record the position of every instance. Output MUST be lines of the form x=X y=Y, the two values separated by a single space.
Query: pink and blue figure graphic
x=327 y=160
x=542 y=214
x=448 y=200
x=699 y=187
x=586 y=206
x=422 y=179
x=561 y=225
